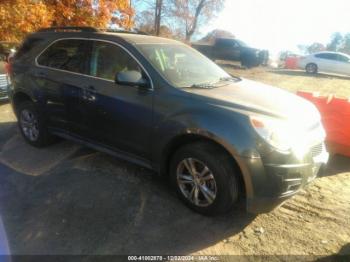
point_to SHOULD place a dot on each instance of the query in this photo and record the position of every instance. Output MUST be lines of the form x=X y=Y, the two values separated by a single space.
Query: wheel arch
x=19 y=98
x=312 y=63
x=184 y=139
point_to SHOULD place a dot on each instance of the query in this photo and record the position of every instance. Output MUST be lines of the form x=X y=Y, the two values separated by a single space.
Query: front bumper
x=275 y=177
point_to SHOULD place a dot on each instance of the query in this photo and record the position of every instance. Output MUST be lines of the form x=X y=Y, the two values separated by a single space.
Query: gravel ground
x=67 y=199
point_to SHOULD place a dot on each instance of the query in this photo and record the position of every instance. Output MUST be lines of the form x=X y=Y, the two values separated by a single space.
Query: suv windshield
x=182 y=66
x=241 y=43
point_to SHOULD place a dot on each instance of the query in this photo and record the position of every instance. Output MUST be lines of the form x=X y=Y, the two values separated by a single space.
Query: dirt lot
x=294 y=80
x=67 y=199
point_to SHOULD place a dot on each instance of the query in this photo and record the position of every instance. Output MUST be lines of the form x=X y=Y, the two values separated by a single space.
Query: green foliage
x=336 y=42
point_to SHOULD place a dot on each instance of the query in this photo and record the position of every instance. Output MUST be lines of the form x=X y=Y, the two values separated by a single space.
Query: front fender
x=229 y=130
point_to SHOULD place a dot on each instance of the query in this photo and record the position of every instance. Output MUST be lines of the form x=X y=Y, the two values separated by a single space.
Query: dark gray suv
x=160 y=104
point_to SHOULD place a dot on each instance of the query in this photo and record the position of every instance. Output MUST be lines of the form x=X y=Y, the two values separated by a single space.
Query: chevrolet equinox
x=159 y=103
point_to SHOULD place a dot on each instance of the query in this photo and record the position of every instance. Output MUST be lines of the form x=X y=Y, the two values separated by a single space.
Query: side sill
x=103 y=148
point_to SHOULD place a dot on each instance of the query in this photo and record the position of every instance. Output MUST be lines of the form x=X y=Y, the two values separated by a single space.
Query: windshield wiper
x=210 y=85
x=229 y=78
x=203 y=85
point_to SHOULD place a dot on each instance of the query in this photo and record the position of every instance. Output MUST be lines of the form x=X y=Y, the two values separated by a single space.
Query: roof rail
x=133 y=31
x=69 y=29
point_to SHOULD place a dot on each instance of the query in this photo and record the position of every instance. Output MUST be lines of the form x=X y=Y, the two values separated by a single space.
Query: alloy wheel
x=196 y=182
x=29 y=125
x=311 y=68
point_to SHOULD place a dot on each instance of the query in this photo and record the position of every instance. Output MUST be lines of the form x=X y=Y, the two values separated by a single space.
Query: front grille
x=316 y=150
x=3 y=82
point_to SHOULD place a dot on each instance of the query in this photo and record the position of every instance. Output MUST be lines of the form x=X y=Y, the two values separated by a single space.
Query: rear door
x=61 y=76
x=118 y=116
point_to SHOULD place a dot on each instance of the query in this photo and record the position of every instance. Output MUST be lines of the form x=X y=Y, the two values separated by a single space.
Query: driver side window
x=108 y=59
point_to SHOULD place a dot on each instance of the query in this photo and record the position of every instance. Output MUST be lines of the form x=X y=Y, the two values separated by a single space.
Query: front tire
x=206 y=184
x=31 y=123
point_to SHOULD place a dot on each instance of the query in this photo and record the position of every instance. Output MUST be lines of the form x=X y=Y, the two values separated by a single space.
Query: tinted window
x=69 y=55
x=108 y=59
x=224 y=43
x=241 y=43
x=328 y=56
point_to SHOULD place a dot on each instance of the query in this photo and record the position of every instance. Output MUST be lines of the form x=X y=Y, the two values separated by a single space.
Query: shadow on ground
x=85 y=202
x=302 y=73
x=343 y=255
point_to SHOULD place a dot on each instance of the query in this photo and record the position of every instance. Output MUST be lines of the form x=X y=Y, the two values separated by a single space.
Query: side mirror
x=131 y=78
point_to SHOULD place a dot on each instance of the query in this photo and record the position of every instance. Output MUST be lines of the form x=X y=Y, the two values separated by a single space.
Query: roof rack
x=69 y=29
x=133 y=31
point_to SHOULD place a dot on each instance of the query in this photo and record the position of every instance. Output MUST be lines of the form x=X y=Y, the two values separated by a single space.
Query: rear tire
x=32 y=125
x=212 y=187
x=311 y=68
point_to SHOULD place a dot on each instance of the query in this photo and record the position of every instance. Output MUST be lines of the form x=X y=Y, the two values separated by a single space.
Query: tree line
x=170 y=18
x=20 y=17
x=338 y=43
x=176 y=18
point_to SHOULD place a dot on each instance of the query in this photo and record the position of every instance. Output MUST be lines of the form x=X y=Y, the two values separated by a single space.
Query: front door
x=118 y=116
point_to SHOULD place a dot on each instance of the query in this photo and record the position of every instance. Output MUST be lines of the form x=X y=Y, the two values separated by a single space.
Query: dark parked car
x=160 y=104
x=235 y=50
x=4 y=82
x=6 y=49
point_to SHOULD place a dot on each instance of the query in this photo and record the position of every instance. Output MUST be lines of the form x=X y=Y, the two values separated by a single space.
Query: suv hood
x=248 y=97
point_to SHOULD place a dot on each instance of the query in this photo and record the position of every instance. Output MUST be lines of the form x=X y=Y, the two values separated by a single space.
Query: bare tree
x=192 y=13
x=157 y=16
x=150 y=18
x=315 y=47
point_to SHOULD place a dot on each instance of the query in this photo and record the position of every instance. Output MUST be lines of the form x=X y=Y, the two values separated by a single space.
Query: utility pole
x=157 y=16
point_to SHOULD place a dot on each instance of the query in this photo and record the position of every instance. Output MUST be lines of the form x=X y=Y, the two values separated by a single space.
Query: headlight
x=275 y=132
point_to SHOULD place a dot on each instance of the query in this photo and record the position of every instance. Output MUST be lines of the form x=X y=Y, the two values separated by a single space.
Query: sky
x=280 y=24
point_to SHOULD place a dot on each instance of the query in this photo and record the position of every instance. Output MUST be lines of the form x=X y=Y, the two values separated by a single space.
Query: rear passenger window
x=69 y=55
x=329 y=56
x=108 y=59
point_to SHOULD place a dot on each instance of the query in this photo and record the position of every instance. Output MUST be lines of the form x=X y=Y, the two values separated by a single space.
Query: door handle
x=89 y=93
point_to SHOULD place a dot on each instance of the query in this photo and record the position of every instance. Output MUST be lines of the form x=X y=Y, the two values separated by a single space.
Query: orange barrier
x=291 y=63
x=335 y=114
